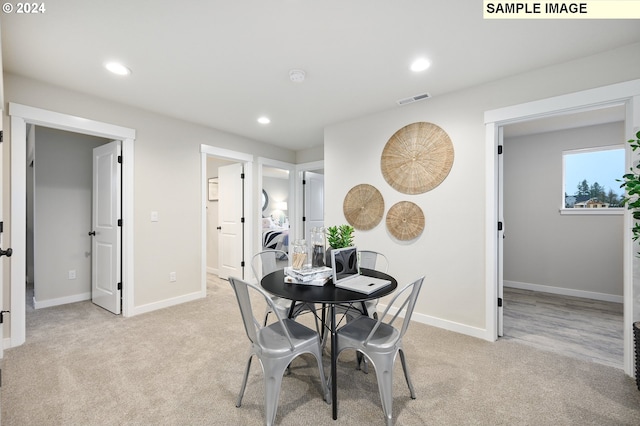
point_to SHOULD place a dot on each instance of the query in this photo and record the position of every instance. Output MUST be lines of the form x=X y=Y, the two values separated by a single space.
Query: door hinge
x=2 y=315
x=119 y=222
x=1 y=135
x=120 y=159
x=499 y=226
x=120 y=286
x=242 y=220
x=1 y=227
x=242 y=264
x=241 y=175
x=499 y=302
x=304 y=182
x=499 y=149
x=304 y=218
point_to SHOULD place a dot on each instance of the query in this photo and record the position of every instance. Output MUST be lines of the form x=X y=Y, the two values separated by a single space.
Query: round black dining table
x=328 y=295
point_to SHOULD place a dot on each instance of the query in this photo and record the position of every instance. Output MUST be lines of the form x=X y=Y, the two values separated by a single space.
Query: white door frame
x=21 y=115
x=627 y=94
x=240 y=157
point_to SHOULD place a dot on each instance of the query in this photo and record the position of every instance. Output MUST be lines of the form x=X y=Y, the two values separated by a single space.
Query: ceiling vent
x=414 y=98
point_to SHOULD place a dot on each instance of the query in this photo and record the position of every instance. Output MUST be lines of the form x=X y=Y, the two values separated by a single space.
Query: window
x=590 y=178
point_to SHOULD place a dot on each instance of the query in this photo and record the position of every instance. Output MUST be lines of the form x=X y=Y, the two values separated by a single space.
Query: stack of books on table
x=309 y=276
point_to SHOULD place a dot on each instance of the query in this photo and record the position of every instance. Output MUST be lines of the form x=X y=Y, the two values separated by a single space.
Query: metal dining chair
x=371 y=260
x=275 y=345
x=264 y=263
x=381 y=342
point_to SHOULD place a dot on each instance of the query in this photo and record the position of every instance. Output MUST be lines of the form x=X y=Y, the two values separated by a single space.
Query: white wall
x=63 y=199
x=543 y=247
x=451 y=250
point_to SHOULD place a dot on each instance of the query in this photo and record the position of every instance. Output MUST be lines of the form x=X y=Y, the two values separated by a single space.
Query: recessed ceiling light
x=117 y=68
x=264 y=120
x=297 y=76
x=420 y=64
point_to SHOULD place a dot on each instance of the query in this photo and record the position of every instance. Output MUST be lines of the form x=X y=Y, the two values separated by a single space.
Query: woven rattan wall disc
x=405 y=220
x=363 y=207
x=417 y=158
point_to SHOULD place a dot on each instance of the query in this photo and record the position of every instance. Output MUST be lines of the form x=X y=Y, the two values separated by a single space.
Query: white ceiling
x=224 y=63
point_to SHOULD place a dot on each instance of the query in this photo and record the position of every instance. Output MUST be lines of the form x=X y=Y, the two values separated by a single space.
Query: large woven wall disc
x=417 y=158
x=363 y=207
x=405 y=220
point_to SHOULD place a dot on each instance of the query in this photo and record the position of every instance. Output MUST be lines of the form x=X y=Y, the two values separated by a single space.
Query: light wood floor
x=581 y=328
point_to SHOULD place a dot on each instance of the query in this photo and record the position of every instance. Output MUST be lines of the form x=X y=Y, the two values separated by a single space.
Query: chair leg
x=323 y=380
x=384 y=372
x=406 y=374
x=273 y=373
x=363 y=363
x=244 y=381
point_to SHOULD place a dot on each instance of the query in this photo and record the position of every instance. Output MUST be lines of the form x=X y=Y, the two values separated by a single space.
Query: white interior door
x=106 y=243
x=1 y=262
x=313 y=202
x=501 y=234
x=230 y=216
x=2 y=250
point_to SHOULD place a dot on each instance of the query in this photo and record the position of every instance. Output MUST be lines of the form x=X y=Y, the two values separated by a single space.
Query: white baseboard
x=6 y=343
x=61 y=300
x=479 y=333
x=168 y=302
x=565 y=291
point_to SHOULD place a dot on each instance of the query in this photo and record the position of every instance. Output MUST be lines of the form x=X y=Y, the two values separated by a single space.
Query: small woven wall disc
x=405 y=220
x=363 y=207
x=417 y=158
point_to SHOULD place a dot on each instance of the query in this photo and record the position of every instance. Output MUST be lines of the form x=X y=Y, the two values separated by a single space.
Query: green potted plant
x=338 y=237
x=631 y=185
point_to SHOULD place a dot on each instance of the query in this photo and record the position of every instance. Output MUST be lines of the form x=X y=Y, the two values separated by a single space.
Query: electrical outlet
x=72 y=274
x=172 y=277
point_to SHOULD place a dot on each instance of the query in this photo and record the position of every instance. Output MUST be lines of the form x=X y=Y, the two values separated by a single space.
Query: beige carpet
x=183 y=366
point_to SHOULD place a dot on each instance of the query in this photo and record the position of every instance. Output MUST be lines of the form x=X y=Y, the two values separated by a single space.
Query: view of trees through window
x=590 y=178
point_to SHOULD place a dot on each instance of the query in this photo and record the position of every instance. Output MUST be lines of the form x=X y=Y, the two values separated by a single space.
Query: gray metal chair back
x=380 y=342
x=266 y=261
x=373 y=260
x=370 y=260
x=275 y=345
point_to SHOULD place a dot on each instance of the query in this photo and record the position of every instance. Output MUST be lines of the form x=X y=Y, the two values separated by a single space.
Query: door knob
x=92 y=233
x=8 y=252
x=219 y=228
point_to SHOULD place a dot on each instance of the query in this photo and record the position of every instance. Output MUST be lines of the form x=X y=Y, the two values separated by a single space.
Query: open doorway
x=276 y=207
x=59 y=216
x=227 y=212
x=563 y=267
x=310 y=194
